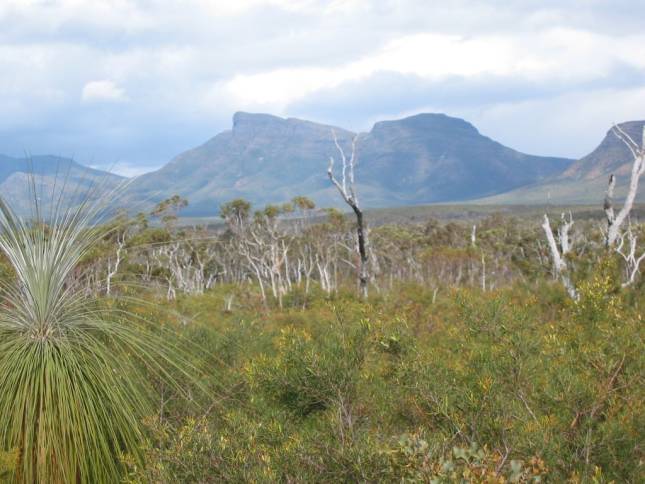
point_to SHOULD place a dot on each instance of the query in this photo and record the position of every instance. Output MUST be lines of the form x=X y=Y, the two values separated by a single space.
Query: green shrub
x=310 y=375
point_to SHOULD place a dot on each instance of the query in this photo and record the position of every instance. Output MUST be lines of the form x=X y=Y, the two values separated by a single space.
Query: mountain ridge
x=425 y=158
x=52 y=177
x=586 y=179
x=420 y=159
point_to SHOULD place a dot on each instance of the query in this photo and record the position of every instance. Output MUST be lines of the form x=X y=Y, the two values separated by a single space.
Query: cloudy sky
x=128 y=84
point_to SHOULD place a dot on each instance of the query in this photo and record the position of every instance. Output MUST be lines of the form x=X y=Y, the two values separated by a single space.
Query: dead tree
x=559 y=249
x=113 y=267
x=347 y=188
x=627 y=250
x=615 y=221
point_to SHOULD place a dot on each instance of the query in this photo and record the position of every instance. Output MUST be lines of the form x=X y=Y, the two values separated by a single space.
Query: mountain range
x=421 y=159
x=48 y=177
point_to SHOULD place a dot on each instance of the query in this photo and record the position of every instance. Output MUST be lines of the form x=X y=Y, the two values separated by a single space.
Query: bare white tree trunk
x=557 y=253
x=347 y=189
x=483 y=273
x=614 y=222
x=632 y=263
x=228 y=303
x=616 y=237
x=114 y=268
x=171 y=295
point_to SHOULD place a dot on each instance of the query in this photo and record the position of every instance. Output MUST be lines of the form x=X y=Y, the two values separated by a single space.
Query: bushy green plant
x=520 y=381
x=308 y=375
x=414 y=461
x=75 y=371
x=183 y=454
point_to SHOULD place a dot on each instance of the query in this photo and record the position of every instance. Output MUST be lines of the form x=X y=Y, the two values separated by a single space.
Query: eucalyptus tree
x=559 y=249
x=624 y=241
x=616 y=220
x=168 y=210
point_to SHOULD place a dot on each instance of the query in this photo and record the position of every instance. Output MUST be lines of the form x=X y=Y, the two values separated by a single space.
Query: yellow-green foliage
x=516 y=385
x=448 y=383
x=8 y=463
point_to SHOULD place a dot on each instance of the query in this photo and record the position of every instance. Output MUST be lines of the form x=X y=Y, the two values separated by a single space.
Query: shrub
x=413 y=460
x=306 y=375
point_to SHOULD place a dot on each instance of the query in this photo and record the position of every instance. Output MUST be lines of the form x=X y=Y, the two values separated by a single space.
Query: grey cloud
x=389 y=93
x=169 y=56
x=357 y=105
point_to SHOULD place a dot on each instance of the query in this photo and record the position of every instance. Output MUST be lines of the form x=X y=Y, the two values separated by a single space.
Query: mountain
x=52 y=177
x=585 y=180
x=437 y=158
x=420 y=159
x=611 y=155
x=263 y=158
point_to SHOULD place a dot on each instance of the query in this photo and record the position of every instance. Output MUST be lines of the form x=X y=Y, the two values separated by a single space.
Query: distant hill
x=585 y=181
x=437 y=158
x=263 y=158
x=611 y=156
x=420 y=159
x=50 y=175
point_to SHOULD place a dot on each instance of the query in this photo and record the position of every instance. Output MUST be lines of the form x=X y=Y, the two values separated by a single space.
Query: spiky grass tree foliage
x=73 y=371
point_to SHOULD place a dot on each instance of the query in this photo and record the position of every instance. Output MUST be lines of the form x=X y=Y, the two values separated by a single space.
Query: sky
x=126 y=85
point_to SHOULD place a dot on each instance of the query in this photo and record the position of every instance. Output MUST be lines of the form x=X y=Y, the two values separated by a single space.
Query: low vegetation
x=513 y=385
x=468 y=362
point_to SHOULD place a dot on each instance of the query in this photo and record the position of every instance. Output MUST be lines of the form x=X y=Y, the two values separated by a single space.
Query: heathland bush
x=514 y=385
x=429 y=380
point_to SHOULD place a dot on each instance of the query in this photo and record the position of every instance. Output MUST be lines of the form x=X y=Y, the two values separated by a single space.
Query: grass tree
x=74 y=371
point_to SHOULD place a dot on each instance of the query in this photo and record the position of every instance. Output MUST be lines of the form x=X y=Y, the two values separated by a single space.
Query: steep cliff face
x=263 y=158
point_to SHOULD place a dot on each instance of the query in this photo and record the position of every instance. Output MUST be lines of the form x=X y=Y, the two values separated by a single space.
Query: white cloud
x=551 y=55
x=172 y=72
x=570 y=124
x=96 y=91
